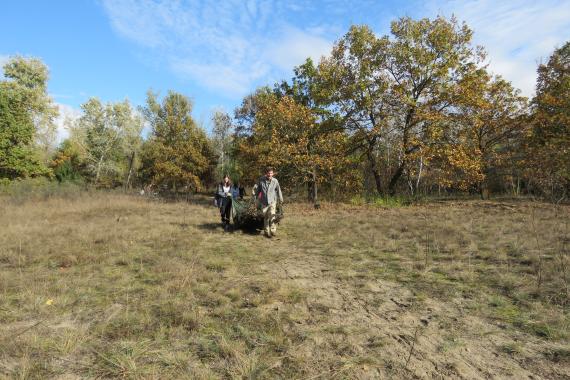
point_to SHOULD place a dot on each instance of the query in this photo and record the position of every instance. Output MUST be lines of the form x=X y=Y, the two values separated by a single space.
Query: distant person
x=235 y=191
x=241 y=191
x=224 y=201
x=267 y=191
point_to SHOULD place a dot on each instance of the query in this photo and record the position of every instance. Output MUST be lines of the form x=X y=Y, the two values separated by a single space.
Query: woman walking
x=224 y=196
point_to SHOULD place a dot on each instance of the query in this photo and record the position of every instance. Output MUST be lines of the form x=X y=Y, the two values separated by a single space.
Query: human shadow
x=247 y=230
x=212 y=227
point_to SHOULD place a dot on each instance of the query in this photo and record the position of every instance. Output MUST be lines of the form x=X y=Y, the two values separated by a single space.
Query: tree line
x=413 y=112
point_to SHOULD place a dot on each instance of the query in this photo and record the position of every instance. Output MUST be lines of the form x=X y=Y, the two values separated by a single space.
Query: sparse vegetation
x=107 y=285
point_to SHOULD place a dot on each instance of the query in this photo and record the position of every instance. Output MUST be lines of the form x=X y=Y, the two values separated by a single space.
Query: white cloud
x=295 y=46
x=227 y=46
x=67 y=114
x=234 y=81
x=233 y=45
x=517 y=34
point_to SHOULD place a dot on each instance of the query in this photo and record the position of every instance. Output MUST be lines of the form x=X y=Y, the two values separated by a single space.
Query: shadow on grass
x=217 y=227
x=211 y=227
x=248 y=230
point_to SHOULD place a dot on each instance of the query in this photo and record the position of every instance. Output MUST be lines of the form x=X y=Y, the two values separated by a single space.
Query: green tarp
x=247 y=213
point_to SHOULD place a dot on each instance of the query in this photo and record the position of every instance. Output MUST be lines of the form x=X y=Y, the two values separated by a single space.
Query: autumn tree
x=307 y=88
x=178 y=152
x=354 y=84
x=418 y=103
x=426 y=61
x=286 y=135
x=480 y=132
x=549 y=142
x=391 y=91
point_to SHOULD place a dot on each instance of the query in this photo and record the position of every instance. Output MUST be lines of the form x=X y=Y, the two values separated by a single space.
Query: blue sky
x=218 y=51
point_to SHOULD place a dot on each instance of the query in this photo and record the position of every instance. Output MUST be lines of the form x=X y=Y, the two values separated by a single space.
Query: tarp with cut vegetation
x=247 y=213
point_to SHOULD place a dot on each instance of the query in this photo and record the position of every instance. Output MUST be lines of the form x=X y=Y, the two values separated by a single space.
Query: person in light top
x=268 y=192
x=224 y=199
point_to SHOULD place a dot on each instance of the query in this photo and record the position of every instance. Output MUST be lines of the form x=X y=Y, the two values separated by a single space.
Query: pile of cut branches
x=247 y=213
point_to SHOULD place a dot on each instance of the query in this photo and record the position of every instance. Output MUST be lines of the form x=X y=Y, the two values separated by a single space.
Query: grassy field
x=103 y=285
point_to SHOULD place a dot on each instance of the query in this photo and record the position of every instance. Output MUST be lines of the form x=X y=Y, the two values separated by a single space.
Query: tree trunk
x=377 y=180
x=484 y=190
x=419 y=174
x=484 y=184
x=310 y=190
x=315 y=197
x=395 y=178
x=98 y=172
x=374 y=167
x=130 y=172
x=405 y=140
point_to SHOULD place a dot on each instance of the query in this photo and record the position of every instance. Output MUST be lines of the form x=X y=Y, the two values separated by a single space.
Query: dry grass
x=143 y=289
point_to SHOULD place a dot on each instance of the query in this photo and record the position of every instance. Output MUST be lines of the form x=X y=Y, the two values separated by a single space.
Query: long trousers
x=269 y=225
x=225 y=209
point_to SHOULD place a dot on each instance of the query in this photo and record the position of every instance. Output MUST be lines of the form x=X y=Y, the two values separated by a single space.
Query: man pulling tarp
x=265 y=209
x=268 y=192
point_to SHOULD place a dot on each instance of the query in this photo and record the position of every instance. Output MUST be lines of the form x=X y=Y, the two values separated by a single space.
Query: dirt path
x=380 y=330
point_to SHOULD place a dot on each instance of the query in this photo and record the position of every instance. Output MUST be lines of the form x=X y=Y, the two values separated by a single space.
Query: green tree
x=67 y=163
x=29 y=77
x=178 y=152
x=222 y=134
x=25 y=111
x=245 y=114
x=110 y=136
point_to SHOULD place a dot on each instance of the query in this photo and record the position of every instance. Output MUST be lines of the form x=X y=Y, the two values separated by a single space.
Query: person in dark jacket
x=224 y=197
x=235 y=191
x=241 y=191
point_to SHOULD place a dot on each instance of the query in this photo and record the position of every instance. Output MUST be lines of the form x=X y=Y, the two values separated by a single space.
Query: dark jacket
x=220 y=194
